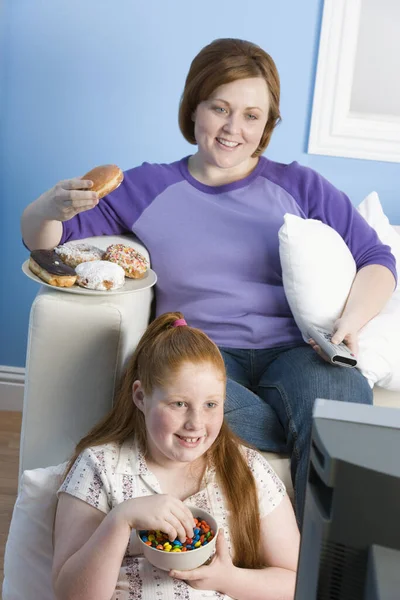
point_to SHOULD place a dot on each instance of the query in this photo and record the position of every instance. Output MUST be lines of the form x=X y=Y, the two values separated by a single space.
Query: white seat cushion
x=29 y=549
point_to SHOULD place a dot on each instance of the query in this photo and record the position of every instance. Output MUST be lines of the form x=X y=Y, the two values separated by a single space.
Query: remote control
x=339 y=354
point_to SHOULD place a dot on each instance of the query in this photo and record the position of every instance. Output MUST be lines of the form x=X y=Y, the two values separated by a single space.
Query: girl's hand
x=214 y=575
x=160 y=512
x=344 y=330
x=66 y=199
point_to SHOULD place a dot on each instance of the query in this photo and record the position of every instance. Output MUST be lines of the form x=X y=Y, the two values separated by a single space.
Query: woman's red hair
x=223 y=61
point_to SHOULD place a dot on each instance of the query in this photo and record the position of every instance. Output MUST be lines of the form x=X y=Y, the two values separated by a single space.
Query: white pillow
x=318 y=270
x=29 y=549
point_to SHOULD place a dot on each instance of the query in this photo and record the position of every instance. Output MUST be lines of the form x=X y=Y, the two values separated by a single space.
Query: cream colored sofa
x=77 y=348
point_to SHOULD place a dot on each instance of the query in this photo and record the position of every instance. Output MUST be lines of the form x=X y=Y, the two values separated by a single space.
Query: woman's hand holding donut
x=41 y=221
x=68 y=198
x=161 y=512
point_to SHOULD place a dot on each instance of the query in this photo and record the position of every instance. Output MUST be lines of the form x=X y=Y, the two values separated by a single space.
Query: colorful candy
x=202 y=535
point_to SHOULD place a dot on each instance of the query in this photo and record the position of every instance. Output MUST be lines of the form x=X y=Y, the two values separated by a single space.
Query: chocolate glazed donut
x=47 y=265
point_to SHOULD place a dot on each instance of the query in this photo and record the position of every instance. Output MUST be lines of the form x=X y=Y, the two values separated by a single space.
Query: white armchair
x=77 y=348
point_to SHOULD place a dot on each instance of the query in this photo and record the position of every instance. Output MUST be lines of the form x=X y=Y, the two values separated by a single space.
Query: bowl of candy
x=167 y=555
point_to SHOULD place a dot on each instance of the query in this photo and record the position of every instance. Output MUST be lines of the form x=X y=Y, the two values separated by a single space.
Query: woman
x=210 y=222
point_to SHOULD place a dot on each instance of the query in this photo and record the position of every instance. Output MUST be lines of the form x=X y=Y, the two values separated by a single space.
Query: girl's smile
x=190 y=442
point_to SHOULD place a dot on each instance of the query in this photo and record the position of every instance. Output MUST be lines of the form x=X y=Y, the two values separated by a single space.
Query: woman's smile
x=226 y=144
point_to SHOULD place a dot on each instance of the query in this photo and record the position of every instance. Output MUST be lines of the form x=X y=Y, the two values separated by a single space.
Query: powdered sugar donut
x=134 y=264
x=100 y=275
x=73 y=254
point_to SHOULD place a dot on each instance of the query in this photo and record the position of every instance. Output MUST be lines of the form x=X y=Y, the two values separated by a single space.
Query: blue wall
x=89 y=82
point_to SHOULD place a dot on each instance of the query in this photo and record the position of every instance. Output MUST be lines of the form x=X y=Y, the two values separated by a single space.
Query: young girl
x=164 y=445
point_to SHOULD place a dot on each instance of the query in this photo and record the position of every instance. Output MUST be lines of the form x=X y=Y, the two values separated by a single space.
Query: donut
x=105 y=179
x=73 y=254
x=47 y=265
x=134 y=264
x=100 y=275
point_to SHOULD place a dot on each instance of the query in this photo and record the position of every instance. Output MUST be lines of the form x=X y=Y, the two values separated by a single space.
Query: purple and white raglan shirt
x=215 y=249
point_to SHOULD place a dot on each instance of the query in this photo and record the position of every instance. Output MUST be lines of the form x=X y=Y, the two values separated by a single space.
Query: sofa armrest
x=77 y=349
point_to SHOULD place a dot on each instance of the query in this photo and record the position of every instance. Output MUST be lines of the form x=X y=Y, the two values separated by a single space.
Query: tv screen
x=350 y=546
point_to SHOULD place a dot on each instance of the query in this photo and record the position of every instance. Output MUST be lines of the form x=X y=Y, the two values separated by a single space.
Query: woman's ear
x=194 y=115
x=138 y=395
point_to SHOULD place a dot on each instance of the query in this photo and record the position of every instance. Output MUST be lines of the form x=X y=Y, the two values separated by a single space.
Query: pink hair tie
x=179 y=323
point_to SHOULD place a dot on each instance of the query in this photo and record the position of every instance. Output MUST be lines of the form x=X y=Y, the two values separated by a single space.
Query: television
x=350 y=543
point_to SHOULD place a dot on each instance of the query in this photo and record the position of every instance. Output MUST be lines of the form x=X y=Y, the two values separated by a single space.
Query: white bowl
x=183 y=561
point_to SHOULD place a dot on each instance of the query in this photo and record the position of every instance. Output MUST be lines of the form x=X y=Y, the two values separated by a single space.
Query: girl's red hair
x=160 y=353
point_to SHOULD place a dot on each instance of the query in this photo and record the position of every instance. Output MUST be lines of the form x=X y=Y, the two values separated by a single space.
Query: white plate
x=131 y=285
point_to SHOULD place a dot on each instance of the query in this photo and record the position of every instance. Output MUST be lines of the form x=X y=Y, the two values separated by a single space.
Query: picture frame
x=340 y=125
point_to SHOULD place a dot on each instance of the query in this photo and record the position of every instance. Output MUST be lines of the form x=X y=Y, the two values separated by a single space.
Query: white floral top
x=105 y=476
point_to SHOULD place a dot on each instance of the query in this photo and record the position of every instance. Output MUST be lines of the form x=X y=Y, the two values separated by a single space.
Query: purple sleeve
x=117 y=213
x=320 y=200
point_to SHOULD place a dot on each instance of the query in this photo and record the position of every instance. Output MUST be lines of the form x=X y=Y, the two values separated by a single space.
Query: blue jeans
x=270 y=397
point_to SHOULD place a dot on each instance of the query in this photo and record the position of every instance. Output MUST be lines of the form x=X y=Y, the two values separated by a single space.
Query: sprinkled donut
x=73 y=254
x=134 y=264
x=100 y=275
